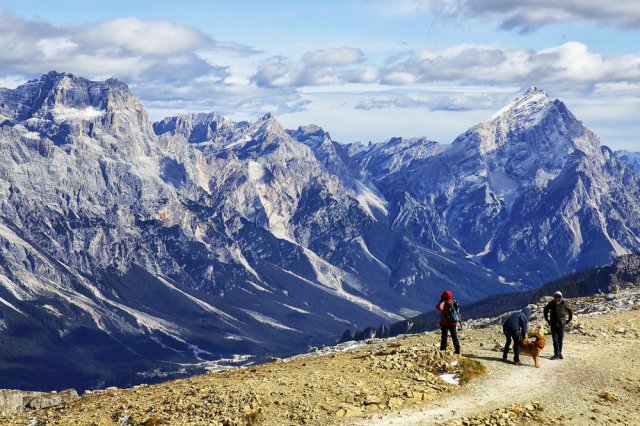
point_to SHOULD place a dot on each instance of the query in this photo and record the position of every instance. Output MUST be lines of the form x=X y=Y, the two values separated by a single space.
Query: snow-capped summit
x=527 y=106
x=526 y=193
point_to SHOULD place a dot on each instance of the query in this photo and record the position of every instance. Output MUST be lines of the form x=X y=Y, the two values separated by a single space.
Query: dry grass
x=471 y=369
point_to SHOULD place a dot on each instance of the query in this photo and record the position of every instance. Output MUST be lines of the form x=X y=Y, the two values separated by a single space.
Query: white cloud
x=163 y=62
x=127 y=48
x=319 y=67
x=276 y=71
x=570 y=64
x=154 y=38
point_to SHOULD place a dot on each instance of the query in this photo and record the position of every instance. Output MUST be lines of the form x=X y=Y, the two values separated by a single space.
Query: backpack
x=454 y=312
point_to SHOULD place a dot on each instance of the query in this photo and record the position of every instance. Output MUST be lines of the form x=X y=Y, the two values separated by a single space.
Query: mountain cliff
x=130 y=246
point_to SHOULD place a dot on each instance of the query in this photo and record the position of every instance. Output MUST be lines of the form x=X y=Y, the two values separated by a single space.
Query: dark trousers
x=557 y=334
x=516 y=348
x=454 y=338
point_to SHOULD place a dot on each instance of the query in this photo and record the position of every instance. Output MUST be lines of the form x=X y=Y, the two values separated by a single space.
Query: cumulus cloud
x=144 y=37
x=319 y=67
x=570 y=64
x=529 y=15
x=128 y=48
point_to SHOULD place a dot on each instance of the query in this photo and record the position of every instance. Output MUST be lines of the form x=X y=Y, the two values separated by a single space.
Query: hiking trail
x=572 y=391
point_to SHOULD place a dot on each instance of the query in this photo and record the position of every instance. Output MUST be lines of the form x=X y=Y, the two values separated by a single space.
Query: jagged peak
x=532 y=101
x=268 y=122
x=61 y=92
x=309 y=129
x=534 y=90
x=532 y=109
x=310 y=134
x=267 y=117
x=67 y=80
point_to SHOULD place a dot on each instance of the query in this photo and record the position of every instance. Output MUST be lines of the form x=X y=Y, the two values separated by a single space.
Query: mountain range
x=128 y=246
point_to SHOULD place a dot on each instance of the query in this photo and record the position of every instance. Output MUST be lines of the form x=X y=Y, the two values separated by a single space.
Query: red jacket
x=443 y=306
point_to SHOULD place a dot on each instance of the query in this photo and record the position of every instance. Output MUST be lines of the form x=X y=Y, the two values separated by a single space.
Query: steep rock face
x=530 y=193
x=631 y=159
x=202 y=128
x=111 y=245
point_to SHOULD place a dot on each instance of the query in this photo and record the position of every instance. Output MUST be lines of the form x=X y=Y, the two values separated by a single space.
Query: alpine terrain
x=404 y=380
x=131 y=250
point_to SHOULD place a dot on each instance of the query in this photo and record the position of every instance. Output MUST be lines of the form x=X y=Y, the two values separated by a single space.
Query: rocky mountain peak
x=268 y=128
x=201 y=127
x=315 y=137
x=63 y=97
x=268 y=116
x=534 y=100
x=535 y=124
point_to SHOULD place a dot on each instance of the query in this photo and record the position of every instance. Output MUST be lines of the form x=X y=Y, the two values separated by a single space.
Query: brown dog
x=533 y=348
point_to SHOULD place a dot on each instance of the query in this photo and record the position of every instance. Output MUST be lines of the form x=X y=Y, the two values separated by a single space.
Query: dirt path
x=572 y=391
x=521 y=384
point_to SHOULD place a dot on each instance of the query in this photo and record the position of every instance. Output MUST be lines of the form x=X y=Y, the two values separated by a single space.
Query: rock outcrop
x=17 y=401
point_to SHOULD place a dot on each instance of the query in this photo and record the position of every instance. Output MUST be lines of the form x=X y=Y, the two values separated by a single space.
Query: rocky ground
x=401 y=381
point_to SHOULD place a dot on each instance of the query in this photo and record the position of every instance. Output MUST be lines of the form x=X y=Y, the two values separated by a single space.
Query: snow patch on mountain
x=63 y=113
x=6 y=303
x=368 y=199
x=293 y=308
x=204 y=305
x=340 y=292
x=365 y=249
x=268 y=320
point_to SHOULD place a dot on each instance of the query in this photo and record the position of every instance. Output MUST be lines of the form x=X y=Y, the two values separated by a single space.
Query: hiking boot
x=517 y=362
x=555 y=357
x=560 y=356
x=504 y=359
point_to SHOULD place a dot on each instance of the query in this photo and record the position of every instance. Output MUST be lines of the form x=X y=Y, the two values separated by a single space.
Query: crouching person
x=515 y=328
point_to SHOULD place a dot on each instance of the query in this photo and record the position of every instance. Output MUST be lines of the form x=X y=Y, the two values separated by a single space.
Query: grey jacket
x=558 y=314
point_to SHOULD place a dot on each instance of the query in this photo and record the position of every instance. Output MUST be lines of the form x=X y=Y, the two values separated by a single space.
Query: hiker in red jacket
x=448 y=320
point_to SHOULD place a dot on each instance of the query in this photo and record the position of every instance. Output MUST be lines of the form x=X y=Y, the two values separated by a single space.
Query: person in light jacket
x=448 y=323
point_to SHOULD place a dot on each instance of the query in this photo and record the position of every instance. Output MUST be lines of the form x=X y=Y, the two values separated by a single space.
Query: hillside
x=402 y=380
x=622 y=272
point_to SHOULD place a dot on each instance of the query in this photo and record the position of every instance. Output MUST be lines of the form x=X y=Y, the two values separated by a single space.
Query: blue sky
x=362 y=69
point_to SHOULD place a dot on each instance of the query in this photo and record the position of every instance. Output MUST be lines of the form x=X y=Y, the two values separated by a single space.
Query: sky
x=364 y=70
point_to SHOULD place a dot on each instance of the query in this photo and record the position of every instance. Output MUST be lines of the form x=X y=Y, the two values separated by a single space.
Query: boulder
x=17 y=401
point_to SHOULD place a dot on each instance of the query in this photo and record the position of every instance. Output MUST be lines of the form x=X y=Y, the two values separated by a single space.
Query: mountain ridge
x=196 y=239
